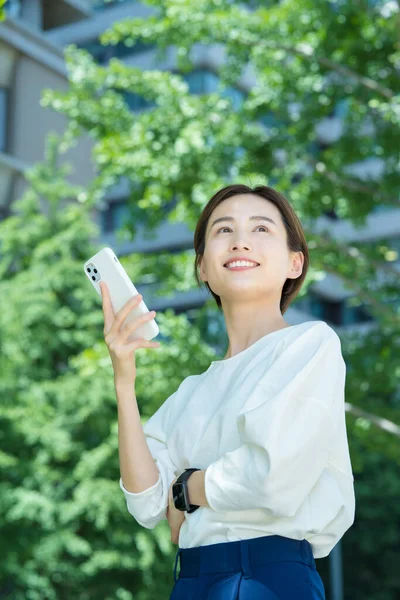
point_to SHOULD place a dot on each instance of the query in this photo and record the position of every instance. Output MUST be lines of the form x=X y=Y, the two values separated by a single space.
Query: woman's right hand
x=123 y=353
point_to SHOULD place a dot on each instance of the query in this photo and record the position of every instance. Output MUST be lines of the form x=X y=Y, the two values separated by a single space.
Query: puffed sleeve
x=149 y=506
x=287 y=427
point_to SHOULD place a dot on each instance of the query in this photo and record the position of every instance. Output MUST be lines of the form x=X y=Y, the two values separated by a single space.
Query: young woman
x=263 y=429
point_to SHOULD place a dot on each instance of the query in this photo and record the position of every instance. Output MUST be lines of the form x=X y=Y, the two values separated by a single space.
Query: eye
x=258 y=227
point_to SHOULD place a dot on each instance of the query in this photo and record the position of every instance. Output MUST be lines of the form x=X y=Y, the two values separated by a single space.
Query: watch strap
x=183 y=477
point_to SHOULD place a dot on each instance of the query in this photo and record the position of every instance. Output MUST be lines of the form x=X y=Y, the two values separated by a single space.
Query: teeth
x=241 y=263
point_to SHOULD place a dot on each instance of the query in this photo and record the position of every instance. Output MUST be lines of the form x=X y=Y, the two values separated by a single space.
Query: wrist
x=180 y=491
x=196 y=488
x=123 y=384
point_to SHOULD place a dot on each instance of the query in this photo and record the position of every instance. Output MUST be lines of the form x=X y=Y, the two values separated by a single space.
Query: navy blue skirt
x=265 y=568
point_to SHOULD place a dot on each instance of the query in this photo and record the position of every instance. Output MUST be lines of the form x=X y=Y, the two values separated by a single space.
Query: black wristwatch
x=180 y=492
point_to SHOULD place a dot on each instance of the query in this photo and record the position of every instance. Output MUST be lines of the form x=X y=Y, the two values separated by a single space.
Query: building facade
x=31 y=58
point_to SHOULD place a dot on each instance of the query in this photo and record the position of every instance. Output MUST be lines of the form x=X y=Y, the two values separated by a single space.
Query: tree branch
x=350 y=185
x=380 y=422
x=348 y=250
x=360 y=79
x=326 y=240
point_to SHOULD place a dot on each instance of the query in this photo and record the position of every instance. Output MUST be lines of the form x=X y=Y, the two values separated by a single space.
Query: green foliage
x=66 y=532
x=65 y=528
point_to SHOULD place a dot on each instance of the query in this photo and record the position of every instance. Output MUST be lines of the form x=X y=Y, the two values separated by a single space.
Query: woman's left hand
x=175 y=517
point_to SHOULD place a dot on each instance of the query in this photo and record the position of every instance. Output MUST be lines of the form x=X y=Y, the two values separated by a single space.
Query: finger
x=124 y=311
x=127 y=329
x=107 y=306
x=126 y=350
x=141 y=343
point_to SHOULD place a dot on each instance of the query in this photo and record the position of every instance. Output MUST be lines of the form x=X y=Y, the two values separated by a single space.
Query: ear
x=202 y=273
x=297 y=265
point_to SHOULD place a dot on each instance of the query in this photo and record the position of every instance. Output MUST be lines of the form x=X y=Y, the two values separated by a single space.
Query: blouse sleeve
x=287 y=427
x=149 y=506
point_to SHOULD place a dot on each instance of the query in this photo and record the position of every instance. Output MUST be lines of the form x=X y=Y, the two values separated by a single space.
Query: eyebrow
x=250 y=219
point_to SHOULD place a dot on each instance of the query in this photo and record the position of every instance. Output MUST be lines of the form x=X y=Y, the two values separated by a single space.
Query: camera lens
x=95 y=270
x=94 y=278
x=88 y=270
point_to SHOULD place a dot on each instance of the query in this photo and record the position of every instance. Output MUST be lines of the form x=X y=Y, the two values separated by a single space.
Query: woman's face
x=260 y=240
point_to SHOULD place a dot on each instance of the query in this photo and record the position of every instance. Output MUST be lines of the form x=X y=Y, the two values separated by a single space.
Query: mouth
x=242 y=268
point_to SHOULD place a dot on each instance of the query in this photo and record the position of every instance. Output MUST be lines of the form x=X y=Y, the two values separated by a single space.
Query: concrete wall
x=30 y=122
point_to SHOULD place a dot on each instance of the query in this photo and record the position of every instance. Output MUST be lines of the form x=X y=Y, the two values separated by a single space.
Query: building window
x=104 y=4
x=100 y=53
x=3 y=118
x=13 y=8
x=121 y=50
x=114 y=217
x=136 y=102
x=341 y=108
x=103 y=54
x=202 y=81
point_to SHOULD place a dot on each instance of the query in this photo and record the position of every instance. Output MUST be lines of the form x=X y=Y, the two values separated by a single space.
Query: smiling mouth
x=241 y=267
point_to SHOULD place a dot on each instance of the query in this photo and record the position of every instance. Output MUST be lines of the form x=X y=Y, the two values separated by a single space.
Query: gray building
x=31 y=58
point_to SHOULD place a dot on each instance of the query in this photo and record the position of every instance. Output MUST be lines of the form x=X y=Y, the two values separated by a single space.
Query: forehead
x=246 y=205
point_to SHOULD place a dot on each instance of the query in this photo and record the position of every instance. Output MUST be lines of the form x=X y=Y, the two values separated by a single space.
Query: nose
x=244 y=246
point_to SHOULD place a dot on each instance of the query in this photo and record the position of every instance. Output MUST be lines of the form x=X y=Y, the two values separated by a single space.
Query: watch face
x=179 y=496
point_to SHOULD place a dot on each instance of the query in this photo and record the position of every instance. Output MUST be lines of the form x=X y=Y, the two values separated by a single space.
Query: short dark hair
x=296 y=240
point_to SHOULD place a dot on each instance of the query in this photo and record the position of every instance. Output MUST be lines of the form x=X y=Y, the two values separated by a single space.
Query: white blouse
x=268 y=426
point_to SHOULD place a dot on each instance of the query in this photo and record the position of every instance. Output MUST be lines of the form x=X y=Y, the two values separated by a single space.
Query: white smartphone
x=105 y=266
